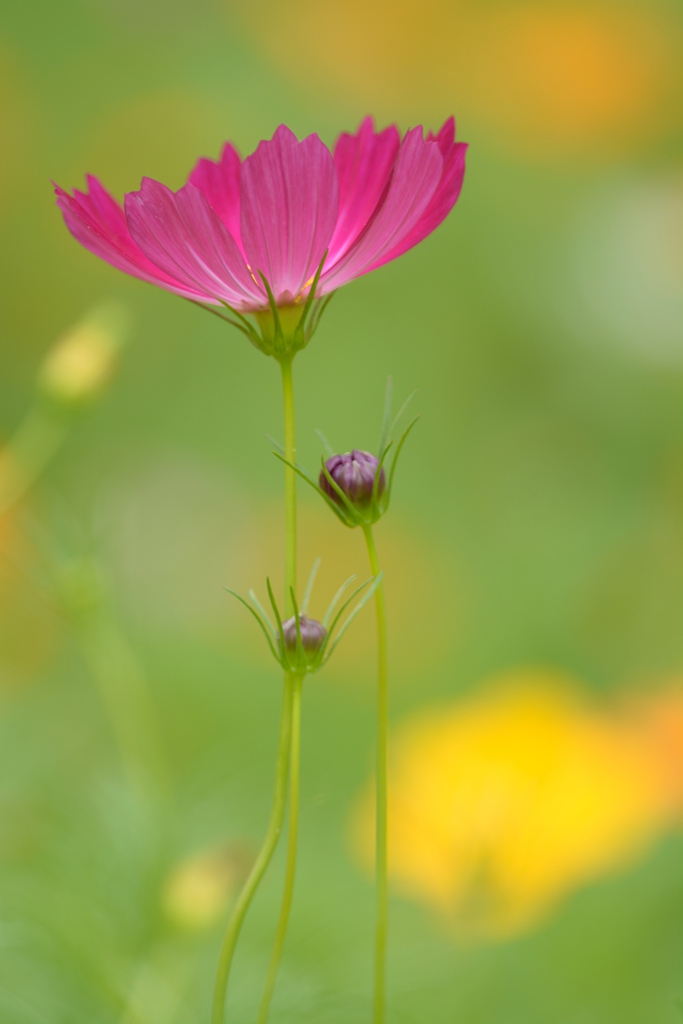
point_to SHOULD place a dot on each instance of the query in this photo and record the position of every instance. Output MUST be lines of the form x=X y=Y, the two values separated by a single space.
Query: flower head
x=292 y=221
x=309 y=633
x=504 y=803
x=301 y=644
x=354 y=474
x=355 y=485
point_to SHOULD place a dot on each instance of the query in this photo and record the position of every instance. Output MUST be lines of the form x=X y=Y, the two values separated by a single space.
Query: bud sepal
x=357 y=486
x=300 y=644
x=279 y=331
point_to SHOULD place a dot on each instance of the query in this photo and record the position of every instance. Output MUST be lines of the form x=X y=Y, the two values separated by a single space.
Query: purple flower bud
x=354 y=473
x=313 y=635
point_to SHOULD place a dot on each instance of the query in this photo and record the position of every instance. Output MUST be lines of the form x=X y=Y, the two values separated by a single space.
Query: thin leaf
x=343 y=608
x=258 y=619
x=327 y=447
x=311 y=293
x=386 y=419
x=313 y=484
x=279 y=450
x=378 y=472
x=273 y=604
x=309 y=586
x=335 y=599
x=402 y=410
x=363 y=601
x=250 y=334
x=240 y=316
x=297 y=469
x=273 y=307
x=337 y=489
x=255 y=601
x=321 y=306
x=248 y=327
x=300 y=653
x=399 y=446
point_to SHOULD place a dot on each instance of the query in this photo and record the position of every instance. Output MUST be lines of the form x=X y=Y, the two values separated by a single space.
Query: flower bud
x=354 y=473
x=313 y=635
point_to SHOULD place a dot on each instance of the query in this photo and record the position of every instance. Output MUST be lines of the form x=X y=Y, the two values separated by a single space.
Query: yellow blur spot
x=583 y=78
x=503 y=804
x=198 y=889
x=542 y=80
x=83 y=359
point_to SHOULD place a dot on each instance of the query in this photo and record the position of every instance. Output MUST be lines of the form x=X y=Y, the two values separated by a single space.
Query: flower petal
x=182 y=235
x=364 y=162
x=290 y=199
x=98 y=222
x=416 y=175
x=446 y=195
x=219 y=183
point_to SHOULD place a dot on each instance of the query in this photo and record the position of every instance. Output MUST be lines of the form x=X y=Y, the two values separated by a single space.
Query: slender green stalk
x=27 y=453
x=252 y=883
x=291 y=699
x=382 y=786
x=290 y=483
x=295 y=741
x=294 y=773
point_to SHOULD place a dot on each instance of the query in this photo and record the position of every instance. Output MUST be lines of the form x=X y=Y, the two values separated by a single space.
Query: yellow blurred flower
x=506 y=802
x=198 y=889
x=81 y=362
x=542 y=79
x=579 y=78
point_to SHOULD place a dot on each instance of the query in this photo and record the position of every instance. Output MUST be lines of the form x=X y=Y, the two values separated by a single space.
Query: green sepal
x=309 y=586
x=341 y=611
x=276 y=613
x=353 y=516
x=303 y=663
x=258 y=619
x=399 y=446
x=304 y=476
x=386 y=419
x=363 y=601
x=300 y=337
x=335 y=599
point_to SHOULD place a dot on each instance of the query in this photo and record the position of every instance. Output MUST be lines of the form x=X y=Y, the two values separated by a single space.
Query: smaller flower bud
x=313 y=635
x=354 y=473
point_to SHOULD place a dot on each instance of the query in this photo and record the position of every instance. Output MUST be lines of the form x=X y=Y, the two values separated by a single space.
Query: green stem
x=290 y=483
x=288 y=893
x=382 y=786
x=27 y=453
x=295 y=740
x=252 y=883
x=291 y=697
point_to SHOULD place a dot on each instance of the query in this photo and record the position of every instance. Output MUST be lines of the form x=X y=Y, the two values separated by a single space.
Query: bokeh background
x=534 y=551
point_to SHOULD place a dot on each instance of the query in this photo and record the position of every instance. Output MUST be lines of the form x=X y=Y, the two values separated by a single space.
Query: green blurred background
x=537 y=519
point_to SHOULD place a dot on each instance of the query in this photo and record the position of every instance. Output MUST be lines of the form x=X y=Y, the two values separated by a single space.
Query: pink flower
x=276 y=214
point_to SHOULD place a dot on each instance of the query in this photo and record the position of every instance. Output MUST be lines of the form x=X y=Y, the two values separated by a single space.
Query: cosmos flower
x=287 y=211
x=504 y=804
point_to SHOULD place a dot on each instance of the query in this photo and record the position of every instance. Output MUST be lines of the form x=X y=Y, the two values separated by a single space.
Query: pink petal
x=290 y=199
x=182 y=235
x=98 y=222
x=219 y=183
x=446 y=195
x=364 y=162
x=415 y=179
